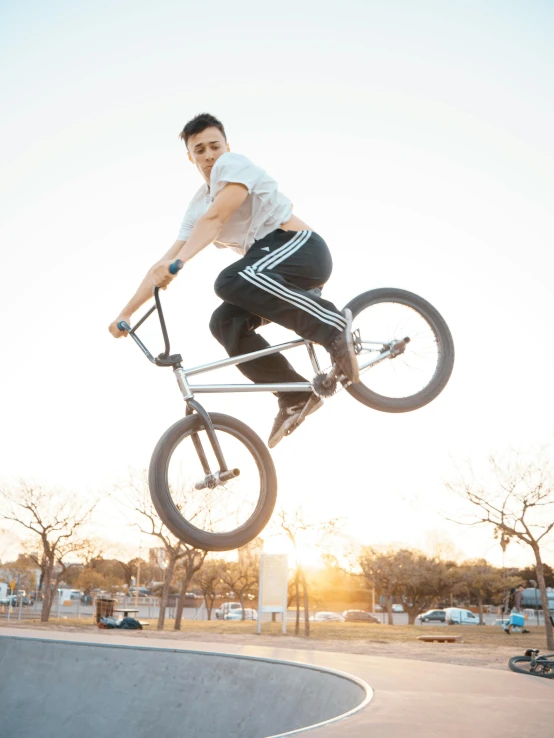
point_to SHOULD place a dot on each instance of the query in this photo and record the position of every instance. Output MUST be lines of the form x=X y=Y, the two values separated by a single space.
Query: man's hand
x=161 y=276
x=114 y=330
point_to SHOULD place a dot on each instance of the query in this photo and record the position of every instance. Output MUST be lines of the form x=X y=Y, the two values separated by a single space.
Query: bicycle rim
x=224 y=516
x=422 y=365
x=525 y=665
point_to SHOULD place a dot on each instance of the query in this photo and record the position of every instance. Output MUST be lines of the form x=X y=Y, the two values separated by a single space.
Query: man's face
x=205 y=148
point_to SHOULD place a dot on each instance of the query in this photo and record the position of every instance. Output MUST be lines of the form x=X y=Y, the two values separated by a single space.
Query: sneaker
x=289 y=418
x=342 y=350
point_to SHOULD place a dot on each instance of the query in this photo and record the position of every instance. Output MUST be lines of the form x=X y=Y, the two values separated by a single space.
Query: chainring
x=323 y=385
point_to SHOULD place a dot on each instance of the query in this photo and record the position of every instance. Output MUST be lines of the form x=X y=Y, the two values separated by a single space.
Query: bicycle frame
x=182 y=375
x=387 y=349
x=547 y=659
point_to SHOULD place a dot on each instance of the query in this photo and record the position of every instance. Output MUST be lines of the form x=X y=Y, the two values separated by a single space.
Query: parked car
x=249 y=614
x=459 y=616
x=359 y=616
x=226 y=608
x=398 y=608
x=437 y=615
x=10 y=599
x=329 y=617
x=142 y=592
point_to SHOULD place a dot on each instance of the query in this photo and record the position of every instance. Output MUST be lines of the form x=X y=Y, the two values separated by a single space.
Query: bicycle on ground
x=532 y=663
x=212 y=478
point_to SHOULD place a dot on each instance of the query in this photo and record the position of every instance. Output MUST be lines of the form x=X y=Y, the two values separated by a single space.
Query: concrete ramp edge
x=262 y=694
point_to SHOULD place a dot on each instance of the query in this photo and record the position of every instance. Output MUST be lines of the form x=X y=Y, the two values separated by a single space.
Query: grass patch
x=486 y=635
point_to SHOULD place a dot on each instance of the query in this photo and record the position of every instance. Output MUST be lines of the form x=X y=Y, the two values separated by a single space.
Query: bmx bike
x=212 y=479
x=532 y=663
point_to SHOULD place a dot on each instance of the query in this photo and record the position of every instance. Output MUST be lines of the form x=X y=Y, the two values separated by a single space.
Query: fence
x=148 y=609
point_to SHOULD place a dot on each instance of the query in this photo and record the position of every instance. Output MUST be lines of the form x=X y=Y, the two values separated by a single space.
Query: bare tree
x=208 y=579
x=294 y=524
x=482 y=582
x=242 y=576
x=298 y=528
x=517 y=503
x=150 y=524
x=191 y=562
x=379 y=567
x=422 y=580
x=130 y=568
x=138 y=495
x=53 y=517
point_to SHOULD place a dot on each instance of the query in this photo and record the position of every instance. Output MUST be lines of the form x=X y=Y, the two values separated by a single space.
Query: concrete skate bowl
x=63 y=689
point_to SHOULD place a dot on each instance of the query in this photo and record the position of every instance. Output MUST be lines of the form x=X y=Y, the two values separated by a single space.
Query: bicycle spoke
x=219 y=507
x=410 y=371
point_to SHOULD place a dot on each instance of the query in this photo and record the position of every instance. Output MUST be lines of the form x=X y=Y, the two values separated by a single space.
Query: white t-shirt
x=264 y=209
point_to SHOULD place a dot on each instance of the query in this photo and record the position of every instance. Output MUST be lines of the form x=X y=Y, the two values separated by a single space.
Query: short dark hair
x=199 y=123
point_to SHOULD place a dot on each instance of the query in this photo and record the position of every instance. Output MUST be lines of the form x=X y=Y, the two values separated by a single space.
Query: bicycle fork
x=211 y=479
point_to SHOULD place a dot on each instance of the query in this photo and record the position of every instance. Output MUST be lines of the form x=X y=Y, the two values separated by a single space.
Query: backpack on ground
x=130 y=624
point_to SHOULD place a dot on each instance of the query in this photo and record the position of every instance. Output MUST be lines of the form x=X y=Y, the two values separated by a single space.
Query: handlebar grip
x=176 y=266
x=123 y=326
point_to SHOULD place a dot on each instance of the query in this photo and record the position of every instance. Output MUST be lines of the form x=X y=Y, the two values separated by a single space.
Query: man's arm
x=144 y=291
x=206 y=230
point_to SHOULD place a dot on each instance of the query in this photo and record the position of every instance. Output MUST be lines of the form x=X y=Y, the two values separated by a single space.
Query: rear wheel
x=525 y=665
x=411 y=347
x=218 y=516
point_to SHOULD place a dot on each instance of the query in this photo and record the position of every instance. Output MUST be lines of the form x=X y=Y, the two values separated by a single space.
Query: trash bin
x=104 y=607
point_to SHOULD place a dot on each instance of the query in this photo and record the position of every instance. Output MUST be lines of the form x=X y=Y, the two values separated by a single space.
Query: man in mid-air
x=281 y=262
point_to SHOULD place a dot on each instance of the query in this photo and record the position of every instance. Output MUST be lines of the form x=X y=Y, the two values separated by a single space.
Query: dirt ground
x=482 y=647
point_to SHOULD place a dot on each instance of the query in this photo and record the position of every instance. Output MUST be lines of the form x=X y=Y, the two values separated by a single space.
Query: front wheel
x=526 y=665
x=404 y=347
x=220 y=515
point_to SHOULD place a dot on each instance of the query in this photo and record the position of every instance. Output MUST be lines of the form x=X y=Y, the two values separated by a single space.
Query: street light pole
x=138 y=581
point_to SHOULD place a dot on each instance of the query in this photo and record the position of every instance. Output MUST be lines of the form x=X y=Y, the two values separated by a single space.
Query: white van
x=226 y=608
x=459 y=616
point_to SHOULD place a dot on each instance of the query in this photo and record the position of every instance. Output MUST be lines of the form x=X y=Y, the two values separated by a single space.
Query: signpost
x=12 y=590
x=272 y=595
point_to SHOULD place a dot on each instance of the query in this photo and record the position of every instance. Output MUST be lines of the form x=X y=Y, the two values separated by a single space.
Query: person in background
x=516 y=608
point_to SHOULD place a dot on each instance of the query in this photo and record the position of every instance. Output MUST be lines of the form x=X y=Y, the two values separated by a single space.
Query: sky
x=416 y=138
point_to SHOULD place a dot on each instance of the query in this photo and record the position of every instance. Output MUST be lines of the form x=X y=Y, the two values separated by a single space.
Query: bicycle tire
x=445 y=351
x=166 y=508
x=512 y=663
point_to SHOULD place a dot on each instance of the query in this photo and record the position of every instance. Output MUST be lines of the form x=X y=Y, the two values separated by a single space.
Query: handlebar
x=176 y=266
x=164 y=359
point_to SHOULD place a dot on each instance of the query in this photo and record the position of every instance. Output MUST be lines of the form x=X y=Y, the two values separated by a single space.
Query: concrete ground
x=410 y=698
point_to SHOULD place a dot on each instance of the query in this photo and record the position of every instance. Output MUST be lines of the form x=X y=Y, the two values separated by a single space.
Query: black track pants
x=272 y=282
